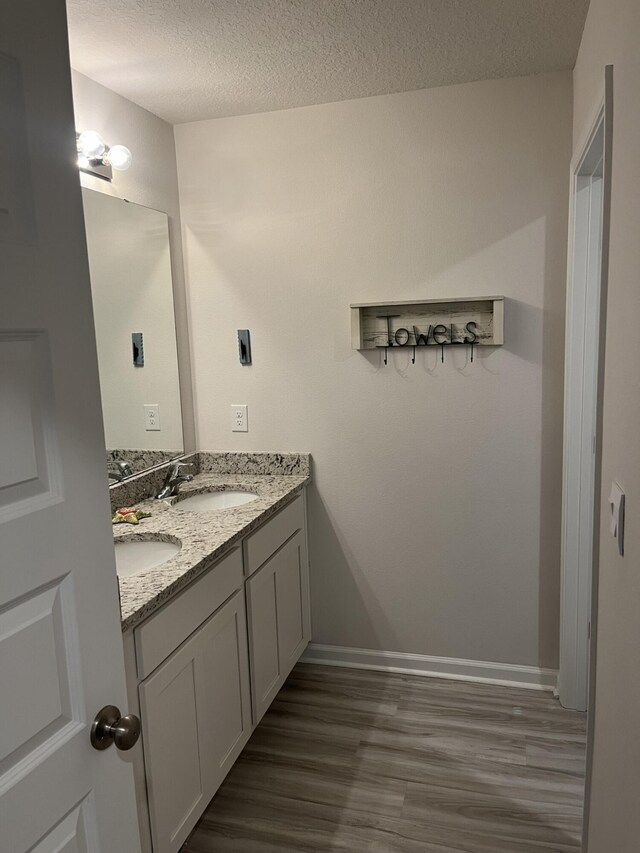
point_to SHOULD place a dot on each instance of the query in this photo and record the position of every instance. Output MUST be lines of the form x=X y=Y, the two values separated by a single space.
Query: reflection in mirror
x=132 y=293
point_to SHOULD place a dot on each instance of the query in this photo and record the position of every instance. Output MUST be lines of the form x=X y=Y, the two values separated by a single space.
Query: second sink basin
x=138 y=555
x=208 y=501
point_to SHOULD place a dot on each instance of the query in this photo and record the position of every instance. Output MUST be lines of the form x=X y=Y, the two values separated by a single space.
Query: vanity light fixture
x=95 y=157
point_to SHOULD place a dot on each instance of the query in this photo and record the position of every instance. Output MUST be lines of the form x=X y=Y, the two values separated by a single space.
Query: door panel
x=30 y=476
x=69 y=836
x=39 y=704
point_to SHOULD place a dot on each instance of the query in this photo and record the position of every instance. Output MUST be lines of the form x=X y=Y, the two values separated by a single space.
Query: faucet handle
x=180 y=465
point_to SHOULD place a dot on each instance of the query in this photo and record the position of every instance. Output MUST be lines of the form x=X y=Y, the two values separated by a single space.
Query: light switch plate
x=239 y=421
x=616 y=504
x=244 y=346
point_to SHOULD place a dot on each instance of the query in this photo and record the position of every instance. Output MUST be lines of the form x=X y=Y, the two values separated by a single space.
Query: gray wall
x=435 y=509
x=611 y=35
x=150 y=181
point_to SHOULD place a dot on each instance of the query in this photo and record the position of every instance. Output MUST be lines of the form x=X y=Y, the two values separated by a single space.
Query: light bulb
x=120 y=157
x=91 y=144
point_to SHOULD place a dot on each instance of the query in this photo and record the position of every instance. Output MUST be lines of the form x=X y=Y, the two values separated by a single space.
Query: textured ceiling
x=186 y=60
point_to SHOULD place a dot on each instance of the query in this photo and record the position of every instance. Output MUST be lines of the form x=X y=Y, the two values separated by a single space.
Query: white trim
x=604 y=286
x=583 y=351
x=506 y=674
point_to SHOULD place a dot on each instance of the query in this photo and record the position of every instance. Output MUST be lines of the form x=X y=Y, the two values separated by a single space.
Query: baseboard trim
x=510 y=675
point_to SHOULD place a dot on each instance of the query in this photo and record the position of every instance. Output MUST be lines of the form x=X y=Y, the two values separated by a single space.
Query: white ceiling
x=186 y=60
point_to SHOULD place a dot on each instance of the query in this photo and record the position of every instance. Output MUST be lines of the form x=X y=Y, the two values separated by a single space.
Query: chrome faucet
x=173 y=479
x=124 y=470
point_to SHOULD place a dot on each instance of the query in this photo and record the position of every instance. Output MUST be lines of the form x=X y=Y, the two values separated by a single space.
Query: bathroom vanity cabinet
x=203 y=669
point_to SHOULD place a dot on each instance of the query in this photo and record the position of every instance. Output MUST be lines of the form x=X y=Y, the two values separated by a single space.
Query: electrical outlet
x=239 y=418
x=151 y=417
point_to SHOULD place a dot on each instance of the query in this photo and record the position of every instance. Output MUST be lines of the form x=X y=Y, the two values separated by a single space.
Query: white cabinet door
x=61 y=655
x=226 y=697
x=279 y=624
x=262 y=611
x=292 y=599
x=195 y=721
x=175 y=783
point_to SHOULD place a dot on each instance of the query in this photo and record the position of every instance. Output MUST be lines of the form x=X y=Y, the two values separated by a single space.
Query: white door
x=61 y=656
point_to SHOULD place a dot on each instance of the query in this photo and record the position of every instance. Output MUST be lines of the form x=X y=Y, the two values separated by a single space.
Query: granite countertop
x=205 y=536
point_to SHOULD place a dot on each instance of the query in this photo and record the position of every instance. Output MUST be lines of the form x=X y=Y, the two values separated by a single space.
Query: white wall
x=151 y=181
x=612 y=35
x=435 y=508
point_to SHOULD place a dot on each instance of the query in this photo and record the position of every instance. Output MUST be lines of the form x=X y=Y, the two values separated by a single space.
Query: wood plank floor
x=349 y=760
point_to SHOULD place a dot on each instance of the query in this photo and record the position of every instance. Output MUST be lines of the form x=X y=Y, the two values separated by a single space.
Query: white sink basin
x=208 y=501
x=139 y=555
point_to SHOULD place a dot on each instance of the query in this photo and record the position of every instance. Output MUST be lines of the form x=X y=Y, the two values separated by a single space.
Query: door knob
x=109 y=727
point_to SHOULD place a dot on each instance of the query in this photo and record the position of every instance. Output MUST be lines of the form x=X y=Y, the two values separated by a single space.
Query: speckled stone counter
x=134 y=489
x=205 y=536
x=141 y=460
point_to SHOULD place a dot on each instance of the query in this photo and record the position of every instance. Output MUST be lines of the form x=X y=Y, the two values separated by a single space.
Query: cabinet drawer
x=163 y=632
x=264 y=542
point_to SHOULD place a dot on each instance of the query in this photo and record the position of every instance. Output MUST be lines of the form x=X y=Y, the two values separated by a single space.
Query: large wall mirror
x=132 y=292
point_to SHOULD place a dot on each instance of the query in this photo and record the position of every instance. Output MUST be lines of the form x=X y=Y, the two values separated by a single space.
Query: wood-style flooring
x=349 y=760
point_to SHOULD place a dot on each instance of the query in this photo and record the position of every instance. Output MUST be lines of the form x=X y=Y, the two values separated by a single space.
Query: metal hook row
x=471 y=344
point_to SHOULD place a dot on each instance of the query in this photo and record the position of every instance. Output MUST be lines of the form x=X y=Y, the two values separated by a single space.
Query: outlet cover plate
x=239 y=422
x=151 y=417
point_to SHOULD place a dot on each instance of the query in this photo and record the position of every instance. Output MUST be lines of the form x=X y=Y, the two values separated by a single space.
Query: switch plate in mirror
x=137 y=344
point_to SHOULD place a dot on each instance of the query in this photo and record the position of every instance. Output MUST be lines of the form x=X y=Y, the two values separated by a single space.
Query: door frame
x=589 y=218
